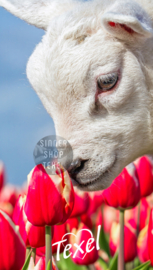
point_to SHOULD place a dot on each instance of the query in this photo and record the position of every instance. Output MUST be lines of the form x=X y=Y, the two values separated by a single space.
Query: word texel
x=78 y=247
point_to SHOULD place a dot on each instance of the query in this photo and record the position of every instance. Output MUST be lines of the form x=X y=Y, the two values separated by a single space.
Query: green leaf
x=103 y=264
x=136 y=262
x=143 y=266
x=26 y=265
x=49 y=265
x=103 y=242
x=61 y=264
x=67 y=264
x=114 y=262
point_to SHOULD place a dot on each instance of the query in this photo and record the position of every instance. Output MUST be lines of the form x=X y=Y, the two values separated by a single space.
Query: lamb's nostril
x=76 y=166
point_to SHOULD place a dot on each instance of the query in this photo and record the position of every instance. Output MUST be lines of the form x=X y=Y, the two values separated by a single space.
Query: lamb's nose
x=76 y=166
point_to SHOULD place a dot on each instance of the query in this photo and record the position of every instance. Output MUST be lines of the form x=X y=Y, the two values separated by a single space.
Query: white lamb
x=93 y=71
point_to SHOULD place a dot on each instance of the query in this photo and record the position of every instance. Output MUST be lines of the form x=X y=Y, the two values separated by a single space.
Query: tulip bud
x=7 y=208
x=142 y=245
x=114 y=238
x=144 y=213
x=150 y=236
x=129 y=214
x=81 y=203
x=87 y=254
x=144 y=170
x=33 y=236
x=72 y=223
x=109 y=215
x=130 y=241
x=50 y=199
x=95 y=201
x=99 y=218
x=59 y=232
x=120 y=194
x=9 y=194
x=11 y=245
x=41 y=251
x=86 y=219
x=41 y=264
x=2 y=175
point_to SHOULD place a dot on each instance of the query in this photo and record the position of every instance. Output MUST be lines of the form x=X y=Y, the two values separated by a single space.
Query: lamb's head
x=92 y=72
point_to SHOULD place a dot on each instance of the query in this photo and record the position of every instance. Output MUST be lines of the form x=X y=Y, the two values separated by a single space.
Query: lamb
x=93 y=71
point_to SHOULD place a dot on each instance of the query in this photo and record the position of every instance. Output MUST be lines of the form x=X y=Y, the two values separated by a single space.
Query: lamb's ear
x=126 y=19
x=37 y=12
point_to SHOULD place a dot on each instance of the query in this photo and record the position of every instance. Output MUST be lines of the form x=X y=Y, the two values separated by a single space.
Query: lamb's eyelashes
x=107 y=82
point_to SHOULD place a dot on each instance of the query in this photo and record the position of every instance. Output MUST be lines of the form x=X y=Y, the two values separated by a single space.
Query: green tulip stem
x=48 y=246
x=34 y=255
x=28 y=249
x=121 y=265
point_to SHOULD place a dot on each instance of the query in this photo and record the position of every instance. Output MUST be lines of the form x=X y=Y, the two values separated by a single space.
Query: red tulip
x=33 y=236
x=59 y=232
x=114 y=238
x=40 y=265
x=87 y=254
x=124 y=192
x=7 y=208
x=2 y=175
x=41 y=251
x=109 y=215
x=96 y=200
x=144 y=170
x=50 y=199
x=149 y=200
x=11 y=245
x=9 y=194
x=99 y=218
x=142 y=246
x=128 y=214
x=150 y=236
x=130 y=241
x=72 y=223
x=86 y=219
x=81 y=203
x=144 y=213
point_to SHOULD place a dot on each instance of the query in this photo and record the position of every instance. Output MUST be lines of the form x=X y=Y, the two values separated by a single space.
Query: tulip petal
x=11 y=244
x=50 y=199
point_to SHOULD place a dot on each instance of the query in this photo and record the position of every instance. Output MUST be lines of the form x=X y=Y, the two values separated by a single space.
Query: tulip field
x=49 y=224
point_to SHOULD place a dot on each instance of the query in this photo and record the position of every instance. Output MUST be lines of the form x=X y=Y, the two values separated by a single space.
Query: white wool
x=79 y=45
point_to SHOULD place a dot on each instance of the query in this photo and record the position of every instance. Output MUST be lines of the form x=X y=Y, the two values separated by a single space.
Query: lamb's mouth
x=96 y=180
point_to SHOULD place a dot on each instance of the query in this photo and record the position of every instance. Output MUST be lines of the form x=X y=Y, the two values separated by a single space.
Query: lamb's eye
x=107 y=82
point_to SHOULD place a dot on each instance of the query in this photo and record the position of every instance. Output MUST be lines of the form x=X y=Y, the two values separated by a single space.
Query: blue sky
x=23 y=119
